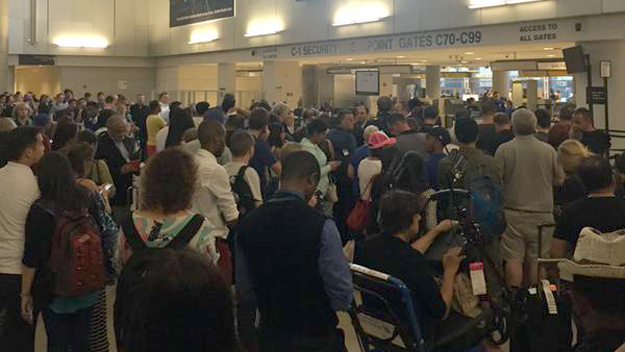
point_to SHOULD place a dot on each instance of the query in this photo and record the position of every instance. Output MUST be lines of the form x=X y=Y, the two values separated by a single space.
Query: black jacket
x=108 y=151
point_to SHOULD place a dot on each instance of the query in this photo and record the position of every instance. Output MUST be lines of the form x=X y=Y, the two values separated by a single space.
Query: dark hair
x=216 y=114
x=169 y=181
x=80 y=153
x=596 y=173
x=160 y=96
x=274 y=139
x=65 y=132
x=566 y=112
x=109 y=99
x=585 y=113
x=235 y=122
x=608 y=301
x=240 y=143
x=261 y=104
x=88 y=137
x=259 y=118
x=316 y=126
x=20 y=139
x=44 y=108
x=177 y=301
x=397 y=210
x=179 y=122
x=466 y=130
x=385 y=104
x=202 y=107
x=543 y=117
x=462 y=114
x=501 y=118
x=298 y=165
x=228 y=102
x=340 y=116
x=558 y=134
x=154 y=107
x=414 y=103
x=396 y=118
x=309 y=114
x=58 y=185
x=488 y=108
x=430 y=113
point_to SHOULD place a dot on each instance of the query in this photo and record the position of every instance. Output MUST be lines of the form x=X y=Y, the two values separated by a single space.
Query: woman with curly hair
x=167 y=188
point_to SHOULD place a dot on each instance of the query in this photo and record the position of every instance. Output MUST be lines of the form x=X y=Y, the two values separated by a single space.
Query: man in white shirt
x=19 y=189
x=213 y=197
x=242 y=151
x=163 y=100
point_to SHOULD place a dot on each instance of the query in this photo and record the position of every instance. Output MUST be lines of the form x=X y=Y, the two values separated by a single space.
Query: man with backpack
x=244 y=180
x=19 y=189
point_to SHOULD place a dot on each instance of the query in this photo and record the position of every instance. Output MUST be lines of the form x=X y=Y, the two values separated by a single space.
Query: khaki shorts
x=520 y=239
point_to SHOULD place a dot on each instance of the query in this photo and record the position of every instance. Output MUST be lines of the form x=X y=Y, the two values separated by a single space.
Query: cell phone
x=345 y=152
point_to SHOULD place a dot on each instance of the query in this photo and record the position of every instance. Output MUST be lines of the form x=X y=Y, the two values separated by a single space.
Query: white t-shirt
x=367 y=170
x=19 y=189
x=251 y=177
x=161 y=139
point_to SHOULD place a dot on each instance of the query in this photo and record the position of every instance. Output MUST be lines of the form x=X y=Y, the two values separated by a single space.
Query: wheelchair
x=385 y=320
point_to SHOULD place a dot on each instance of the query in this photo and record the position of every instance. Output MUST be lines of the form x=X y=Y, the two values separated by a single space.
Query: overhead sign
x=183 y=12
x=36 y=60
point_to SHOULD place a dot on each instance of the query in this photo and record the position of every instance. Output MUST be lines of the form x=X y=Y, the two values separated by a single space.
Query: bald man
x=213 y=196
x=118 y=150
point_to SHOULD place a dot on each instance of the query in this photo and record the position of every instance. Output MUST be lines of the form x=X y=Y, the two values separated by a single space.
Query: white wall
x=39 y=80
x=121 y=80
x=310 y=21
x=123 y=23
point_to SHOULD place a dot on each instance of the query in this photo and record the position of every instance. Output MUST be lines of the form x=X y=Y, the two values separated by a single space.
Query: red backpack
x=76 y=256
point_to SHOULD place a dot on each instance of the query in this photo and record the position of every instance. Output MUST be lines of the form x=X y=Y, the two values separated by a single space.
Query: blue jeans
x=68 y=332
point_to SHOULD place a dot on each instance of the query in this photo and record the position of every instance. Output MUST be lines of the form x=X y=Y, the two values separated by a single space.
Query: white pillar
x=4 y=46
x=310 y=86
x=226 y=80
x=282 y=82
x=433 y=82
x=613 y=51
x=501 y=83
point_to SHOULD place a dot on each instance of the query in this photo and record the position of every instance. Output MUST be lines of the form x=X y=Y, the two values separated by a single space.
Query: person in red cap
x=370 y=167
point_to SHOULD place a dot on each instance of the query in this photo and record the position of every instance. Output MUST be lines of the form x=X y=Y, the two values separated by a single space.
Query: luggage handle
x=541 y=228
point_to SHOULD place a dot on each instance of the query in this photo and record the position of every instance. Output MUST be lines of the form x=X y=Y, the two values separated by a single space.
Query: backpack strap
x=187 y=233
x=241 y=174
x=132 y=235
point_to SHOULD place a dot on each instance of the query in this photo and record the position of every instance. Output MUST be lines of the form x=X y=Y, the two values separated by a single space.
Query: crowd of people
x=232 y=229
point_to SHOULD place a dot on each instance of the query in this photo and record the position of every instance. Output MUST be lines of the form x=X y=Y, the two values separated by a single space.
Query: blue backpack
x=486 y=208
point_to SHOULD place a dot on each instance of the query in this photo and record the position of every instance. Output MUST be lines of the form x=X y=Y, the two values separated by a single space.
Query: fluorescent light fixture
x=203 y=37
x=547 y=49
x=349 y=59
x=259 y=28
x=469 y=53
x=89 y=42
x=478 y=4
x=360 y=14
x=478 y=58
x=424 y=60
x=400 y=57
x=551 y=55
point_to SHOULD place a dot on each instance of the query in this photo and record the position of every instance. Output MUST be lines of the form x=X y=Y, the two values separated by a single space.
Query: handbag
x=332 y=194
x=359 y=216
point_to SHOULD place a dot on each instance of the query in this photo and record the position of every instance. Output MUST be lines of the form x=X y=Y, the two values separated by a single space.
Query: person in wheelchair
x=398 y=251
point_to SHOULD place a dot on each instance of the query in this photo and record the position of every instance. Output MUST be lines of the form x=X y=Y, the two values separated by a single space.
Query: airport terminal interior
x=312 y=175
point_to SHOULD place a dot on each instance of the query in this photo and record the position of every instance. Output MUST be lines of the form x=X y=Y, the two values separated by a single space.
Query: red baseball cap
x=379 y=140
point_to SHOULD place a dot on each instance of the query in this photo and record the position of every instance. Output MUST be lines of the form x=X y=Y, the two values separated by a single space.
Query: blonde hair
x=369 y=131
x=21 y=105
x=571 y=153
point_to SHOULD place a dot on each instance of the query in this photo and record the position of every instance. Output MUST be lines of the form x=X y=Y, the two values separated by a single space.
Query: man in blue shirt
x=435 y=143
x=263 y=159
x=289 y=258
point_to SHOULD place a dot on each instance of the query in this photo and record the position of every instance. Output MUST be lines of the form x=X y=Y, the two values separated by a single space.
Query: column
x=226 y=80
x=310 y=86
x=501 y=83
x=613 y=51
x=4 y=46
x=325 y=86
x=282 y=82
x=433 y=82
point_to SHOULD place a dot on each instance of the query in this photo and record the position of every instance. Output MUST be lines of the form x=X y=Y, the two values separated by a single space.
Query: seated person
x=601 y=209
x=392 y=253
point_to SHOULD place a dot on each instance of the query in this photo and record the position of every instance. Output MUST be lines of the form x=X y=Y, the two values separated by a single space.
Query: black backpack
x=242 y=193
x=137 y=269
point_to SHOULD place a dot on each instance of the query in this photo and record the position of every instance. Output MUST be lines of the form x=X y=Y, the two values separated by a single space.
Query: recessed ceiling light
x=363 y=62
x=469 y=53
x=478 y=58
x=547 y=49
x=400 y=57
x=463 y=62
x=551 y=55
x=424 y=60
x=349 y=59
